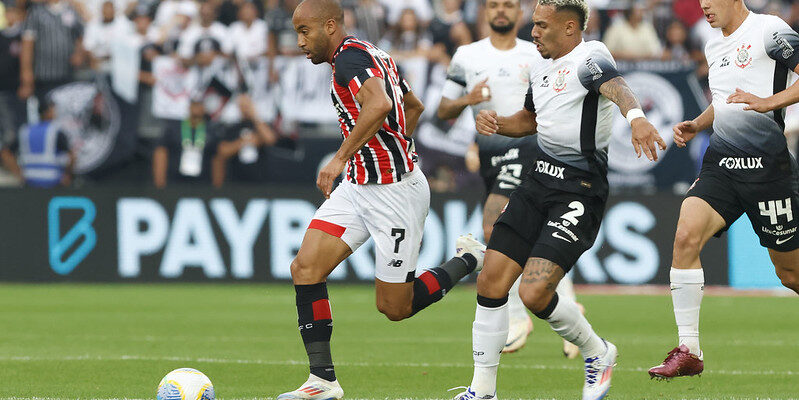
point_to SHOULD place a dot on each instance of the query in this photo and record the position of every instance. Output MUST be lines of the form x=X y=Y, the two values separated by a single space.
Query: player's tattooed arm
x=644 y=136
x=617 y=91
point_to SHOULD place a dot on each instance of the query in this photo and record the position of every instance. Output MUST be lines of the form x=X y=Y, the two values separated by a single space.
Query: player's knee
x=302 y=272
x=394 y=312
x=686 y=241
x=534 y=298
x=790 y=280
x=487 y=285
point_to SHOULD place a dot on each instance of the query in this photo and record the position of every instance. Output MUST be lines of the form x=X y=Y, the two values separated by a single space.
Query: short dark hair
x=579 y=7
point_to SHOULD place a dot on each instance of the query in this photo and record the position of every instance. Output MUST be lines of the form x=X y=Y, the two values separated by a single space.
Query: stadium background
x=70 y=330
x=142 y=62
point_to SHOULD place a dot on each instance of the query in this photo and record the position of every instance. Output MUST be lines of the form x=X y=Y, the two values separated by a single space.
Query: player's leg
x=565 y=289
x=395 y=217
x=786 y=264
x=705 y=212
x=331 y=237
x=520 y=324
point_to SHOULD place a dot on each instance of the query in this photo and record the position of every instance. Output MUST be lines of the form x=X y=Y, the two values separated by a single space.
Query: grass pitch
x=117 y=341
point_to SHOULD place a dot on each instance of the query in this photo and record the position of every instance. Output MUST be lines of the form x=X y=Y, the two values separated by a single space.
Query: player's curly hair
x=579 y=7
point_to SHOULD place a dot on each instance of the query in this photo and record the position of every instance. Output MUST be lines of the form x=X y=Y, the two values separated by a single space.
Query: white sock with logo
x=568 y=322
x=565 y=288
x=489 y=333
x=687 y=288
x=516 y=309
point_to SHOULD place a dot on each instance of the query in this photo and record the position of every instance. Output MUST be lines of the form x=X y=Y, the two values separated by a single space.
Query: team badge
x=743 y=59
x=560 y=81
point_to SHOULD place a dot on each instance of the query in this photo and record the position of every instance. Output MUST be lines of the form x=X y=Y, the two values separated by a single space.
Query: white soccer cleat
x=468 y=244
x=570 y=350
x=598 y=371
x=315 y=388
x=468 y=394
x=518 y=330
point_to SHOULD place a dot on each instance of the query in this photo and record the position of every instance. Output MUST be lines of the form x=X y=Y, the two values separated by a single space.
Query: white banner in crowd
x=125 y=63
x=172 y=89
x=305 y=92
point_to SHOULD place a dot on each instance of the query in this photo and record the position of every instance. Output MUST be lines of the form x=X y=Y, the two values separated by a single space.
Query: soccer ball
x=185 y=384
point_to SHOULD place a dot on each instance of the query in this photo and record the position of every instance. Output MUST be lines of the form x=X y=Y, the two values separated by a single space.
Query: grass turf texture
x=117 y=341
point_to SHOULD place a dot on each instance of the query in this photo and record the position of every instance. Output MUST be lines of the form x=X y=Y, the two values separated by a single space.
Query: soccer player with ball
x=747 y=167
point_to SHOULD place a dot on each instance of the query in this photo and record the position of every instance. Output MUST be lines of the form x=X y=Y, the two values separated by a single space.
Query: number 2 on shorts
x=400 y=234
x=577 y=211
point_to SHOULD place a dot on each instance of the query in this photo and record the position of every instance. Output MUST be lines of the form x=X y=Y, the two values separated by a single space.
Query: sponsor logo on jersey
x=593 y=68
x=787 y=49
x=562 y=228
x=544 y=167
x=743 y=59
x=545 y=81
x=512 y=154
x=395 y=263
x=741 y=162
x=560 y=81
x=779 y=231
x=725 y=61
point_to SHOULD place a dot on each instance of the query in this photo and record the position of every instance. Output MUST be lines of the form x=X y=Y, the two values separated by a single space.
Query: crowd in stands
x=45 y=44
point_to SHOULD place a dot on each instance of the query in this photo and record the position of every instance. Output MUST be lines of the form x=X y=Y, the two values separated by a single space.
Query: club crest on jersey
x=743 y=59
x=560 y=81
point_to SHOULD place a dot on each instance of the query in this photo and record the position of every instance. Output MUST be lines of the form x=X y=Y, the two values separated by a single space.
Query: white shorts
x=392 y=214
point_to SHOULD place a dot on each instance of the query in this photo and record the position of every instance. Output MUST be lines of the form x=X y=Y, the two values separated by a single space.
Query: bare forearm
x=413 y=111
x=617 y=91
x=26 y=62
x=784 y=98
x=159 y=167
x=705 y=120
x=517 y=125
x=449 y=108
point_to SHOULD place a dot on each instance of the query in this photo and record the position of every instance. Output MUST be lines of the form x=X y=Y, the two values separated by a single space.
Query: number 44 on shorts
x=774 y=208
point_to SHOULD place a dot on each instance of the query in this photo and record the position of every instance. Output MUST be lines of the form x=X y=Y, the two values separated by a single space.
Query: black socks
x=316 y=326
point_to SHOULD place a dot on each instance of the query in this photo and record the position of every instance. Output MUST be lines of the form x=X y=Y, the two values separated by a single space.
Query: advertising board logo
x=81 y=233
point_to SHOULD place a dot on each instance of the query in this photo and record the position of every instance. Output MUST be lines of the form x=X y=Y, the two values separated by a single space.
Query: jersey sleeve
x=782 y=43
x=353 y=67
x=598 y=68
x=528 y=100
x=455 y=86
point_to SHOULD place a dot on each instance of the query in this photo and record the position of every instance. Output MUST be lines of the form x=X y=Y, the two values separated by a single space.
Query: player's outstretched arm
x=644 y=135
x=375 y=106
x=517 y=125
x=686 y=130
x=451 y=108
x=413 y=110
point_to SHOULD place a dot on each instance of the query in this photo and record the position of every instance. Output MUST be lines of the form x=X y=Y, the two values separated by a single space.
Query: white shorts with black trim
x=392 y=214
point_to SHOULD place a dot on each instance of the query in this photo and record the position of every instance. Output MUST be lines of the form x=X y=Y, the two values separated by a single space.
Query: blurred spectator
x=677 y=47
x=370 y=17
x=3 y=19
x=229 y=10
x=168 y=11
x=44 y=157
x=51 y=47
x=207 y=27
x=94 y=8
x=249 y=34
x=281 y=30
x=101 y=34
x=243 y=146
x=632 y=37
x=12 y=110
x=395 y=9
x=186 y=148
x=448 y=25
x=351 y=22
x=407 y=39
x=149 y=126
x=169 y=33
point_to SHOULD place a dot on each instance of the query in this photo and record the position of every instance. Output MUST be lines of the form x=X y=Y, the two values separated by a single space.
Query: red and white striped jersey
x=388 y=155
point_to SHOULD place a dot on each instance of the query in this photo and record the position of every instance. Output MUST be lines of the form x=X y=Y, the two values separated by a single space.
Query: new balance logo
x=544 y=167
x=741 y=162
x=395 y=263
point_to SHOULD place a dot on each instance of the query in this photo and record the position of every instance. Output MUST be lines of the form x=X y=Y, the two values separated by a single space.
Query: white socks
x=516 y=308
x=568 y=322
x=687 y=288
x=565 y=288
x=489 y=333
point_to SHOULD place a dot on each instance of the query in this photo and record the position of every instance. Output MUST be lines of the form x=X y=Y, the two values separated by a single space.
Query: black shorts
x=503 y=171
x=547 y=223
x=772 y=207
